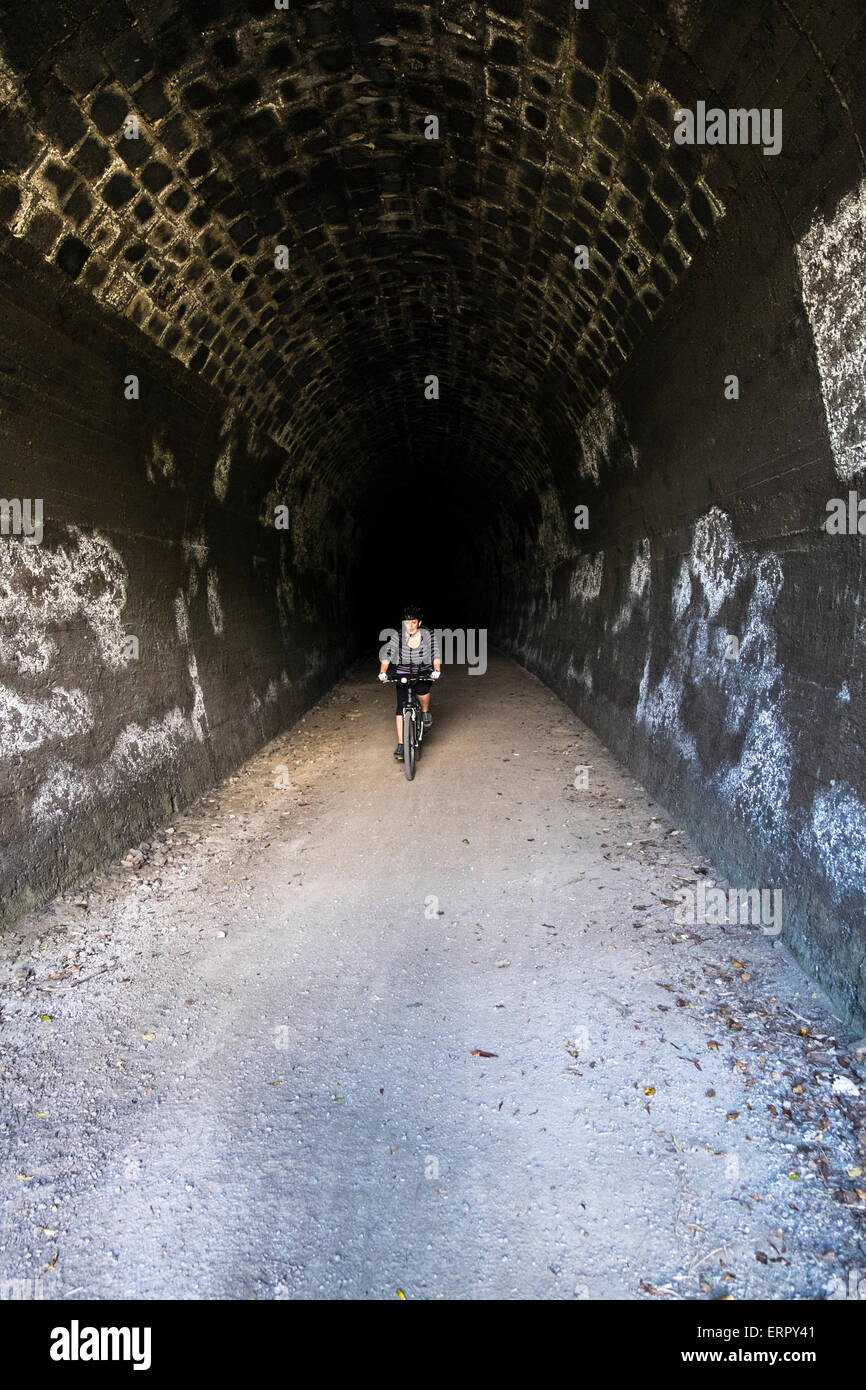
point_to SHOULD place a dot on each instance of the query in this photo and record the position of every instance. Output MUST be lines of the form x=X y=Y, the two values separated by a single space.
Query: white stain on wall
x=139 y=751
x=838 y=834
x=63 y=792
x=715 y=558
x=214 y=606
x=659 y=710
x=161 y=465
x=603 y=439
x=27 y=723
x=682 y=593
x=83 y=584
x=757 y=785
x=637 y=594
x=199 y=713
x=583 y=676
x=42 y=589
x=195 y=548
x=222 y=468
x=832 y=261
x=586 y=579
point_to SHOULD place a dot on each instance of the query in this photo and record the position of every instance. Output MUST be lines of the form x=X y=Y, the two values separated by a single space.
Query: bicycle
x=413 y=724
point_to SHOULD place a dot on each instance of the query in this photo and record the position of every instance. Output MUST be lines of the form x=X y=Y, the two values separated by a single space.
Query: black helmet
x=412 y=610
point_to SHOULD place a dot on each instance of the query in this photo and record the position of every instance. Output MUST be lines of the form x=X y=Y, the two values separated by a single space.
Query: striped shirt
x=398 y=651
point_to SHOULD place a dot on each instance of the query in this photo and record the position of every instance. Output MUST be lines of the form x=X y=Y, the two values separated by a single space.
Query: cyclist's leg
x=423 y=696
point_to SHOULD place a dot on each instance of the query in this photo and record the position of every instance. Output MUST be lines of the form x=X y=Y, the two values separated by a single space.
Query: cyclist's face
x=412 y=625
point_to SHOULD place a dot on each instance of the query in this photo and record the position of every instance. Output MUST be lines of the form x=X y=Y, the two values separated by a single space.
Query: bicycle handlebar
x=406 y=680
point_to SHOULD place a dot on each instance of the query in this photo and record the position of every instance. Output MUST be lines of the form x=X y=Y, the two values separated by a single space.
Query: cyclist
x=416 y=646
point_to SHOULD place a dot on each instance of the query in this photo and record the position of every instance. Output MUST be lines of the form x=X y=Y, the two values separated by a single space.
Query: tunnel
x=545 y=316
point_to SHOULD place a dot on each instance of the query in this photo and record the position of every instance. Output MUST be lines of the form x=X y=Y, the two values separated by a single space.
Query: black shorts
x=421 y=688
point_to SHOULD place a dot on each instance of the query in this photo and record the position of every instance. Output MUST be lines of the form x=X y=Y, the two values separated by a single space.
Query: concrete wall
x=158 y=526
x=706 y=520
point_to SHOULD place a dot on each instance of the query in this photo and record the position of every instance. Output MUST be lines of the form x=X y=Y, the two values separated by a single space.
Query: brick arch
x=407 y=256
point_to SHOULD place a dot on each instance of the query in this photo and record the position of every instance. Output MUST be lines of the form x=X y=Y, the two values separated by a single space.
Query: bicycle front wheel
x=409 y=742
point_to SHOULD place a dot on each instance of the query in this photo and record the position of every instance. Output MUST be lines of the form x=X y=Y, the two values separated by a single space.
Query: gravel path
x=247 y=1067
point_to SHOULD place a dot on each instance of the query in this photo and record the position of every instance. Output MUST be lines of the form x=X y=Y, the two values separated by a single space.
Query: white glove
x=383 y=675
x=434 y=675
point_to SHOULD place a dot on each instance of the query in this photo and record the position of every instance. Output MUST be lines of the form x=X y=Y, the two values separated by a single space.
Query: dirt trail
x=244 y=1069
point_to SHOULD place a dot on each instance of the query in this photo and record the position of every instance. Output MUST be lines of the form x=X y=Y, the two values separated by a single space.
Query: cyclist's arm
x=388 y=653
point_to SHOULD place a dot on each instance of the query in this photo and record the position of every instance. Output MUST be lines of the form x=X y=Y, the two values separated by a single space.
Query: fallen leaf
x=148 y=1037
x=651 y=1288
x=478 y=1052
x=400 y=1293
x=649 y=1090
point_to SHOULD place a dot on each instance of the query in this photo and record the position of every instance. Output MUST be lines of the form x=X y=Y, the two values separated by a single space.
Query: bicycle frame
x=411 y=711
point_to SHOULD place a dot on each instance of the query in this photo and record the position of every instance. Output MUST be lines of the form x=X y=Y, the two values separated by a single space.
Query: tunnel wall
x=707 y=522
x=164 y=627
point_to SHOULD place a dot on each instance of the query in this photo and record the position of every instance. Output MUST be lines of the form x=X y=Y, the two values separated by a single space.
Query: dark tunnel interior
x=312 y=310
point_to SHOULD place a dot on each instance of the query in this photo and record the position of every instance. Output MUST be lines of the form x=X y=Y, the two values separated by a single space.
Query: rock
x=843 y=1086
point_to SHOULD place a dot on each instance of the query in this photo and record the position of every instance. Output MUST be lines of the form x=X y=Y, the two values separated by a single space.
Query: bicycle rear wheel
x=409 y=742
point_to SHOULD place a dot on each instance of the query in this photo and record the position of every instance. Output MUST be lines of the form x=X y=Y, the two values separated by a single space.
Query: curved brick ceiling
x=408 y=256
